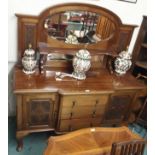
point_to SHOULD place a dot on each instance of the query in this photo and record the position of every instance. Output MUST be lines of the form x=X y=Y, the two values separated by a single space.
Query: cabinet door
x=39 y=111
x=118 y=108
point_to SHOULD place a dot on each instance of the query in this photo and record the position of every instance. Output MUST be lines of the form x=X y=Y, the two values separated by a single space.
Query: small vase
x=123 y=63
x=28 y=61
x=81 y=64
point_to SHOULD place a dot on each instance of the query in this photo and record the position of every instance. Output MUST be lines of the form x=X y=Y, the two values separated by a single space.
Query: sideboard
x=44 y=104
x=102 y=99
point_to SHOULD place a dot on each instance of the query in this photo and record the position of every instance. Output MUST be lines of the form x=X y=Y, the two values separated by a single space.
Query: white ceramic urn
x=28 y=61
x=123 y=63
x=81 y=64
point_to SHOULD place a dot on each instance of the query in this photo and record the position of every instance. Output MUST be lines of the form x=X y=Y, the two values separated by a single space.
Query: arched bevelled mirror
x=79 y=27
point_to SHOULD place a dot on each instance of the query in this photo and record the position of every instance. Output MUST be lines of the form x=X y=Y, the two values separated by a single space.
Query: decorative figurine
x=123 y=62
x=28 y=61
x=81 y=64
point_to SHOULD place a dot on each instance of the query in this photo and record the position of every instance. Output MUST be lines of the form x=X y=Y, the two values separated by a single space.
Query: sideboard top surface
x=98 y=81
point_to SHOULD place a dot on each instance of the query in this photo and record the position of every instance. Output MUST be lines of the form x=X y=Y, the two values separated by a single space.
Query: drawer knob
x=71 y=115
x=94 y=113
x=96 y=103
x=73 y=104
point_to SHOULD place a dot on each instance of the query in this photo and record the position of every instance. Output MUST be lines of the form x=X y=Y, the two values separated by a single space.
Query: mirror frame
x=103 y=26
x=107 y=45
x=31 y=30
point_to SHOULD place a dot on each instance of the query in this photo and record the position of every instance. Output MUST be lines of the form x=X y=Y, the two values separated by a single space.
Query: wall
x=128 y=12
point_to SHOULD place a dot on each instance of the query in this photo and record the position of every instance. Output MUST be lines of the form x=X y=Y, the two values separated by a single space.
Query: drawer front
x=75 y=124
x=82 y=112
x=83 y=100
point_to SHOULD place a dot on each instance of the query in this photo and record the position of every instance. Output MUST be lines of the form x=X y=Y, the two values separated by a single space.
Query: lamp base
x=79 y=75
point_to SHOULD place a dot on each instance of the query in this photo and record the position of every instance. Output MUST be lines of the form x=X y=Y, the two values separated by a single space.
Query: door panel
x=39 y=111
x=118 y=108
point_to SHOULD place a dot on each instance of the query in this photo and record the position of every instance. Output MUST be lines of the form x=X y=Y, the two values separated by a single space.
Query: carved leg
x=19 y=144
x=19 y=136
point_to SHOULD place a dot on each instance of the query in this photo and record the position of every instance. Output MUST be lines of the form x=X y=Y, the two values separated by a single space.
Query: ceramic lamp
x=123 y=63
x=28 y=61
x=81 y=64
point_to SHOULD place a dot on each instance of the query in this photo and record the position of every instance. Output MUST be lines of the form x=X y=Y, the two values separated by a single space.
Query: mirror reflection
x=76 y=27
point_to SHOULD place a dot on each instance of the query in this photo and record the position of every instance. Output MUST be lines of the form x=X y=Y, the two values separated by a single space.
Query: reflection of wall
x=104 y=27
x=57 y=18
x=128 y=12
x=11 y=96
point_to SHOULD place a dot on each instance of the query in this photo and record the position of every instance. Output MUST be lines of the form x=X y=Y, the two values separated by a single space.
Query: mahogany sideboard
x=102 y=99
x=44 y=104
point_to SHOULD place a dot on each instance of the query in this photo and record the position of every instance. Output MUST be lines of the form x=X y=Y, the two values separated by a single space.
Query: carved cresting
x=118 y=106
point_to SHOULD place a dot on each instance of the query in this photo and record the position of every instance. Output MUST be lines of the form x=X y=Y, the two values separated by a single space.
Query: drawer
x=83 y=100
x=75 y=124
x=83 y=111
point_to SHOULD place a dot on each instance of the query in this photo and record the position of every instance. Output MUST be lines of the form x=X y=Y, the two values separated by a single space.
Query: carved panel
x=27 y=33
x=39 y=111
x=124 y=38
x=117 y=108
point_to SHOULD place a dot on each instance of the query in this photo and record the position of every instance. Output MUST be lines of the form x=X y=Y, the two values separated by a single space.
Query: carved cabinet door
x=39 y=111
x=118 y=108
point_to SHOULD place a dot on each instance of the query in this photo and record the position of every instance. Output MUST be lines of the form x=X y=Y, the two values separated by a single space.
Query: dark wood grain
x=97 y=81
x=44 y=104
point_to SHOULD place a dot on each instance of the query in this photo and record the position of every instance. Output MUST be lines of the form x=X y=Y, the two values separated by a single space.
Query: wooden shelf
x=144 y=45
x=142 y=64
